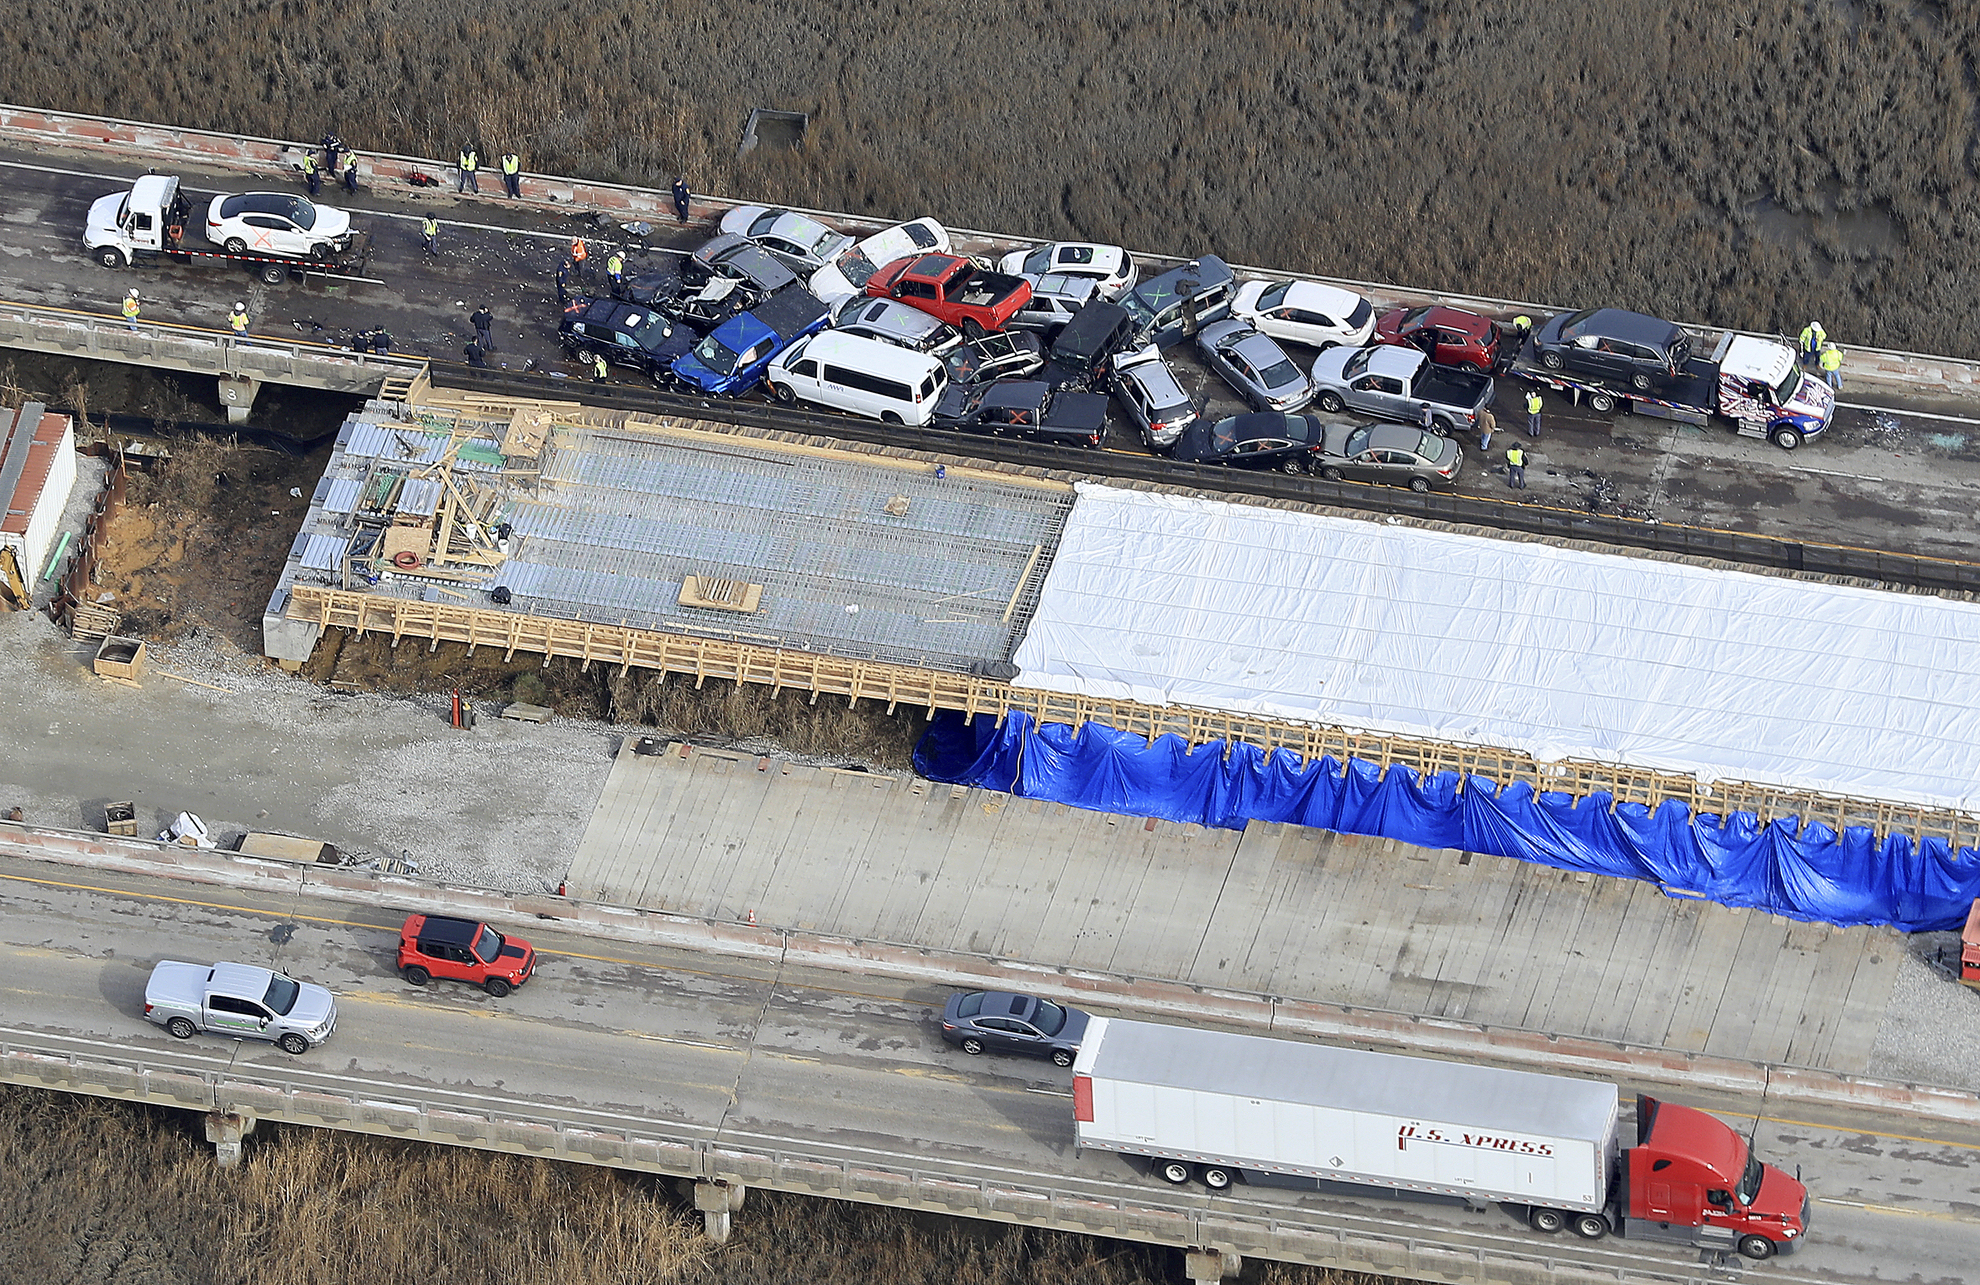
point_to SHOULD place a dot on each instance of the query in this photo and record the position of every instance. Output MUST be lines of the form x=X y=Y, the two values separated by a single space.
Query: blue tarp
x=1807 y=872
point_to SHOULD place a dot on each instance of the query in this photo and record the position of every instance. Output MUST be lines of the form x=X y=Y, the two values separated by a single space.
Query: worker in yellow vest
x=1533 y=412
x=237 y=320
x=131 y=310
x=470 y=171
x=1832 y=365
x=512 y=174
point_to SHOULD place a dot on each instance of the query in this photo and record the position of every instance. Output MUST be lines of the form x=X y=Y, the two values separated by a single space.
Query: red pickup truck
x=952 y=288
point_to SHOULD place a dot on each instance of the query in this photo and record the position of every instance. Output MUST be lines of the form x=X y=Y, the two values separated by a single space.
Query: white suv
x=277 y=223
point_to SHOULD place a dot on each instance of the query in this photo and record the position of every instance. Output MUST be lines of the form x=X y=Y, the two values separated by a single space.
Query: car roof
x=899 y=236
x=445 y=928
x=1326 y=298
x=241 y=979
x=1630 y=327
x=1448 y=318
x=892 y=316
x=1021 y=394
x=1064 y=285
x=1394 y=437
x=1259 y=350
x=1391 y=359
x=1206 y=271
x=1156 y=378
x=1256 y=424
x=260 y=203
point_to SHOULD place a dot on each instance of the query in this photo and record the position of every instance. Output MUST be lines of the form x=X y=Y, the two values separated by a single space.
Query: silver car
x=801 y=242
x=1055 y=299
x=896 y=323
x=1255 y=366
x=1153 y=397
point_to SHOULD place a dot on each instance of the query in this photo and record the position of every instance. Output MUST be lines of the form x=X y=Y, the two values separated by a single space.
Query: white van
x=865 y=376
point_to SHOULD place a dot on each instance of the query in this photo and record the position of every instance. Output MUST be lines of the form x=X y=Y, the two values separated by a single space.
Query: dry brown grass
x=99 y=1193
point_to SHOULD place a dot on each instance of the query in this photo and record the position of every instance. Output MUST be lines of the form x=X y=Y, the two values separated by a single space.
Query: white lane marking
x=1050 y=1093
x=1912 y=414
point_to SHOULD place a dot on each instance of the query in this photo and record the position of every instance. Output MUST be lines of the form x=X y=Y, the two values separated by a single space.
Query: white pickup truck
x=239 y=999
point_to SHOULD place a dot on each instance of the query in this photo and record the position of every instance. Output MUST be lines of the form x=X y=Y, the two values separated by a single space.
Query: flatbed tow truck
x=1755 y=383
x=148 y=223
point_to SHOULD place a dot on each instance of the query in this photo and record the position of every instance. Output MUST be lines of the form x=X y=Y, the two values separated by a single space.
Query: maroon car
x=1451 y=336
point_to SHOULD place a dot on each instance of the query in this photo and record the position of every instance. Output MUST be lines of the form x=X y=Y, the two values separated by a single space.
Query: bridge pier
x=227 y=1130
x=237 y=395
x=718 y=1201
x=1211 y=1266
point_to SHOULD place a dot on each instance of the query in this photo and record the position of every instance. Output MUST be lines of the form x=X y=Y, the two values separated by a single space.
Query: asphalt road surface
x=1903 y=477
x=827 y=1064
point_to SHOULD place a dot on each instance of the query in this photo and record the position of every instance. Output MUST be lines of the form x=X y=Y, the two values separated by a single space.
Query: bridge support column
x=227 y=1130
x=1210 y=1266
x=718 y=1201
x=237 y=395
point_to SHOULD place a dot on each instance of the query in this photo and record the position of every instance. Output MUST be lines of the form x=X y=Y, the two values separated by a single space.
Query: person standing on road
x=131 y=309
x=1425 y=420
x=681 y=198
x=1533 y=413
x=615 y=270
x=484 y=328
x=1515 y=467
x=429 y=232
x=311 y=175
x=1812 y=339
x=512 y=175
x=350 y=172
x=564 y=280
x=470 y=171
x=237 y=320
x=476 y=355
x=1832 y=365
x=598 y=368
x=1486 y=423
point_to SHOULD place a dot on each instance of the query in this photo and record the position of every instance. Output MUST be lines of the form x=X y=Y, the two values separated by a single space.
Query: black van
x=1083 y=345
x=1610 y=344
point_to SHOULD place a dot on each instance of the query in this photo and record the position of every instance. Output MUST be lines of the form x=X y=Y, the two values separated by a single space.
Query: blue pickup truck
x=732 y=359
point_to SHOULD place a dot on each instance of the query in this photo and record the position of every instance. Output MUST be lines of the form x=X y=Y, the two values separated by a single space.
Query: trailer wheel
x=1550 y=359
x=181 y=1028
x=1216 y=1178
x=274 y=273
x=1787 y=438
x=1547 y=1221
x=1173 y=1172
x=1601 y=403
x=110 y=257
x=1757 y=1248
x=1591 y=1226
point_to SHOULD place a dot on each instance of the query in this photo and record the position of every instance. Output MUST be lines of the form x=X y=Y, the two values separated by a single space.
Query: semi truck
x=1757 y=384
x=149 y=221
x=1222 y=1108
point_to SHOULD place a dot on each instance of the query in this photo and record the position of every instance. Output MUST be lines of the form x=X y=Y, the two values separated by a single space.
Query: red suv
x=464 y=950
x=1449 y=336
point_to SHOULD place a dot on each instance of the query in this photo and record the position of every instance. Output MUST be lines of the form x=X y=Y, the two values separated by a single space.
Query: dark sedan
x=1000 y=1022
x=1400 y=454
x=624 y=334
x=1266 y=439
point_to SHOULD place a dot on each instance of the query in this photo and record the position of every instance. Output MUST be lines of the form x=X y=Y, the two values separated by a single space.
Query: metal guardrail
x=1320 y=1238
x=1939 y=575
x=191 y=348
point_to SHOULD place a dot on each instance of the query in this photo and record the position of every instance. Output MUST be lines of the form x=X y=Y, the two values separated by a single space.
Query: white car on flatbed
x=241 y=1000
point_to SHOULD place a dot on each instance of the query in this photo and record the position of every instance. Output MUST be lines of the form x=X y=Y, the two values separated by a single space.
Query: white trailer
x=1217 y=1106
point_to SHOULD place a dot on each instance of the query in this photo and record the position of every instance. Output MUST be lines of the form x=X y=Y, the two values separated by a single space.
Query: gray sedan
x=800 y=241
x=1398 y=454
x=1255 y=365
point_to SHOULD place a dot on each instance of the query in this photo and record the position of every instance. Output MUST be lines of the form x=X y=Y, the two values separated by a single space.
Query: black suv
x=1026 y=408
x=627 y=334
x=1610 y=344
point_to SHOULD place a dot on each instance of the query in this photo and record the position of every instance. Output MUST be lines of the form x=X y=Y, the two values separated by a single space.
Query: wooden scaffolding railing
x=932 y=690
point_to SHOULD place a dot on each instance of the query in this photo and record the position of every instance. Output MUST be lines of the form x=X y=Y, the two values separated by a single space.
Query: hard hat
x=133 y=293
x=240 y=307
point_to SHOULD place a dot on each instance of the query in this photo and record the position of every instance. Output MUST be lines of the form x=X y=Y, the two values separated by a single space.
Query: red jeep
x=953 y=289
x=464 y=950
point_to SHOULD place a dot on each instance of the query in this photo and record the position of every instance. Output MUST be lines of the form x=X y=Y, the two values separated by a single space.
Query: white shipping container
x=1272 y=1106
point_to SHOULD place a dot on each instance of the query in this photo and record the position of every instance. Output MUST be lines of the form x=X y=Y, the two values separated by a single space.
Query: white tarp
x=1563 y=654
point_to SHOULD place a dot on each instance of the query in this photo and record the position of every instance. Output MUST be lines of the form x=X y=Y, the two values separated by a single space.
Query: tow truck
x=148 y=223
x=1755 y=383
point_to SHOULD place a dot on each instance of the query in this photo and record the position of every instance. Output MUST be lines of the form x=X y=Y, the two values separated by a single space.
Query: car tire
x=1291 y=466
x=972 y=329
x=110 y=257
x=1419 y=484
x=234 y=245
x=1550 y=359
x=971 y=1045
x=1757 y=1248
x=293 y=1044
x=1216 y=1177
x=1060 y=1057
x=416 y=976
x=1788 y=439
x=321 y=252
x=497 y=987
x=1546 y=1221
x=1331 y=402
x=1328 y=344
x=1331 y=473
x=1471 y=368
x=1601 y=403
x=1590 y=1226
x=273 y=274
x=1173 y=1172
x=783 y=393
x=181 y=1028
x=888 y=417
x=1640 y=382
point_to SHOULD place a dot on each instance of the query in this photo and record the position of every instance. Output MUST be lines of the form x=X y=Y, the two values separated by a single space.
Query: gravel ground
x=1931 y=1030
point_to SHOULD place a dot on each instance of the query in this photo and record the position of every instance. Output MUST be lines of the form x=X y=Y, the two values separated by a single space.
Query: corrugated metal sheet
x=324 y=552
x=341 y=495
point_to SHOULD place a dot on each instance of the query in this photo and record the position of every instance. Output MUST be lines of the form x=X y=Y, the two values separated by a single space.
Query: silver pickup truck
x=242 y=1000
x=1396 y=383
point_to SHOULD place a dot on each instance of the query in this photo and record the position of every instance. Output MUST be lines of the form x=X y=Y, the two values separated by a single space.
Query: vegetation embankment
x=98 y=1193
x=1757 y=162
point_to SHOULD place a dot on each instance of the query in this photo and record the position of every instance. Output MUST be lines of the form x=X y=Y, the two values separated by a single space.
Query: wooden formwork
x=932 y=690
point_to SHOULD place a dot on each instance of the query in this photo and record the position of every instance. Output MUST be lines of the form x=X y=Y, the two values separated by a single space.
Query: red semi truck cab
x=1692 y=1175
